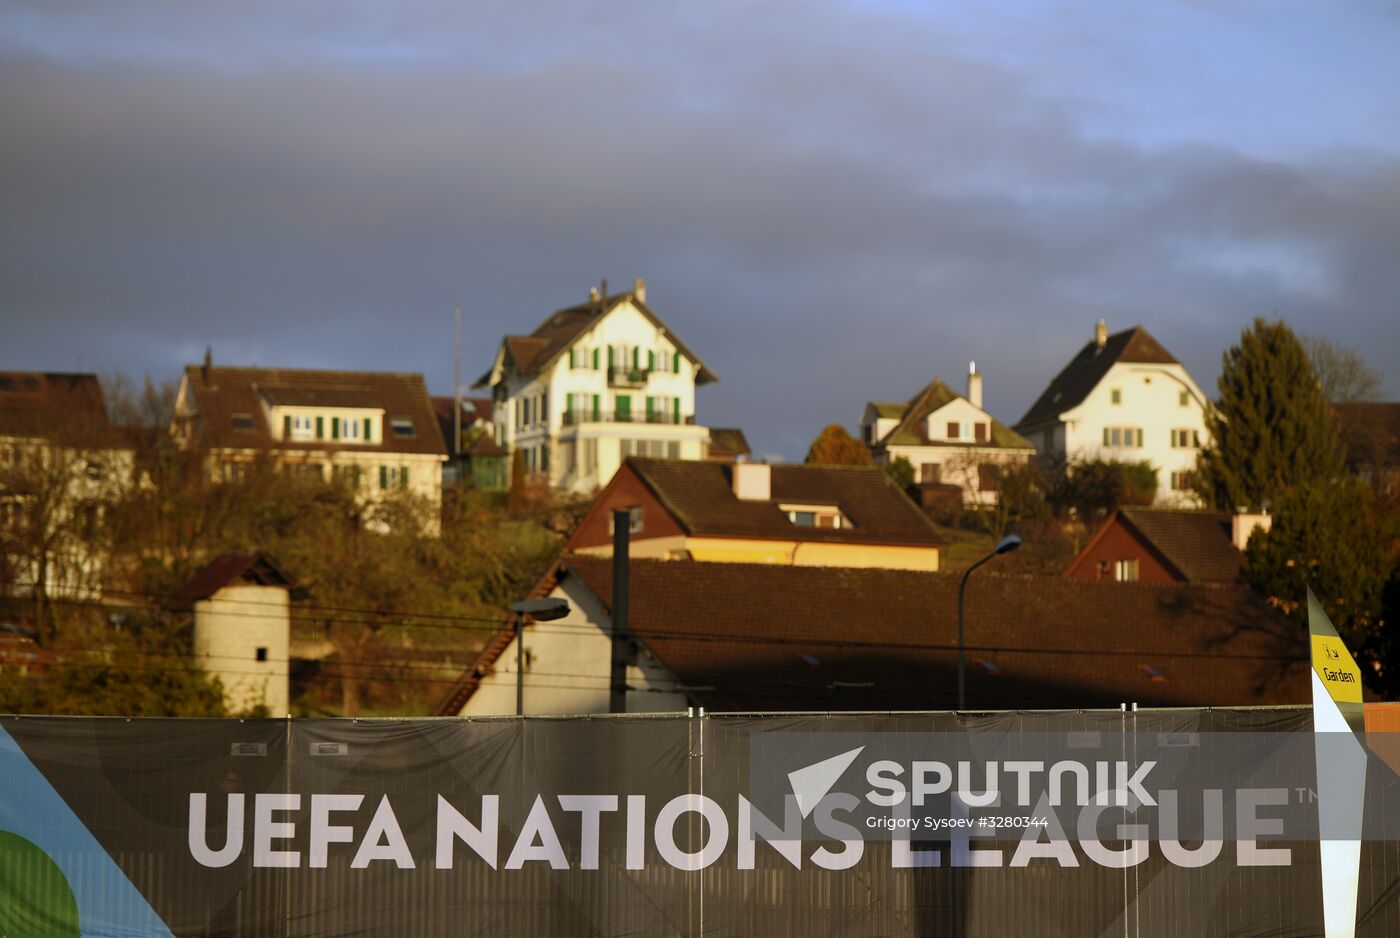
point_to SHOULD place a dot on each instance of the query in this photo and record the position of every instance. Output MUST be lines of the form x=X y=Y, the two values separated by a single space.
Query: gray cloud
x=828 y=214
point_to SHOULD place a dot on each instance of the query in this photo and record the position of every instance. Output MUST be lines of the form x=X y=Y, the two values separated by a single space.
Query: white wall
x=229 y=628
x=1150 y=399
x=569 y=666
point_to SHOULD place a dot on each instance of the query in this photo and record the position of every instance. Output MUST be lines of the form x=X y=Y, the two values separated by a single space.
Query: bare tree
x=1341 y=373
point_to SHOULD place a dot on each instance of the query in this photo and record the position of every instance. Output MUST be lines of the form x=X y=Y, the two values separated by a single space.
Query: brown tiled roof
x=31 y=400
x=485 y=445
x=1371 y=431
x=730 y=440
x=912 y=429
x=700 y=496
x=753 y=637
x=230 y=568
x=1197 y=543
x=533 y=353
x=474 y=409
x=221 y=392
x=1088 y=368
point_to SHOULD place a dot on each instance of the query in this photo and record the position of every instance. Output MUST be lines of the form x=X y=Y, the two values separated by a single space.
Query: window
x=301 y=427
x=663 y=360
x=346 y=475
x=1115 y=396
x=234 y=471
x=95 y=469
x=634 y=521
x=241 y=421
x=988 y=477
x=348 y=429
x=262 y=654
x=812 y=516
x=306 y=471
x=1183 y=398
x=393 y=477
x=979 y=431
x=1126 y=570
x=658 y=449
x=930 y=473
x=954 y=430
x=1181 y=482
x=402 y=427
x=1122 y=436
x=1186 y=439
x=803 y=519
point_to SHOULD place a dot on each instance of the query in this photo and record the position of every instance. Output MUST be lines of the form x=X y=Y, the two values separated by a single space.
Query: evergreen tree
x=1271 y=429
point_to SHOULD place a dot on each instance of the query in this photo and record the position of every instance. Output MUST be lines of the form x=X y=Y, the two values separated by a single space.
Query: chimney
x=974 y=385
x=1243 y=523
x=592 y=294
x=753 y=481
x=208 y=363
x=1101 y=333
x=603 y=289
x=639 y=290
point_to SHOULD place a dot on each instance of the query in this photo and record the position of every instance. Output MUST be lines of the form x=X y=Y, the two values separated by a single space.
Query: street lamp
x=541 y=610
x=1004 y=546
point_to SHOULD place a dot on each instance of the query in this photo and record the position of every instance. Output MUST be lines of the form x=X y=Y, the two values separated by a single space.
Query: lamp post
x=541 y=610
x=1004 y=546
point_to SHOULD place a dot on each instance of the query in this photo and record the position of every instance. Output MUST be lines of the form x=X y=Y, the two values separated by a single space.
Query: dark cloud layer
x=829 y=204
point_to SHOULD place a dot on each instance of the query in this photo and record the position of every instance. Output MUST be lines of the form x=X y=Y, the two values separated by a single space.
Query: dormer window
x=241 y=421
x=402 y=427
x=302 y=427
x=815 y=516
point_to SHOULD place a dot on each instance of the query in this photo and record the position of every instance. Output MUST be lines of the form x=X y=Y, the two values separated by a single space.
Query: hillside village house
x=61 y=463
x=375 y=431
x=743 y=637
x=593 y=385
x=1164 y=545
x=1124 y=398
x=948 y=439
x=825 y=516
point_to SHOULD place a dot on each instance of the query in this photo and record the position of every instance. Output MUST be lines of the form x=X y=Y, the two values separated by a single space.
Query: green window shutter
x=651 y=407
x=286 y=427
x=383 y=477
x=610 y=358
x=366 y=430
x=635 y=352
x=335 y=428
x=1139 y=437
x=676 y=408
x=595 y=359
x=403 y=477
x=651 y=361
x=595 y=407
x=624 y=404
x=1105 y=436
x=676 y=362
x=320 y=428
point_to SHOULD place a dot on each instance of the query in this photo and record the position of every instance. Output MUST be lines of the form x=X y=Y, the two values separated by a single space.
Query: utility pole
x=457 y=396
x=621 y=570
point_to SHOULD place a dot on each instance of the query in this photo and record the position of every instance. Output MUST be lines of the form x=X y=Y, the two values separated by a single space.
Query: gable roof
x=759 y=637
x=844 y=639
x=912 y=429
x=220 y=392
x=729 y=441
x=1088 y=368
x=31 y=400
x=888 y=409
x=700 y=496
x=1196 y=543
x=534 y=353
x=255 y=568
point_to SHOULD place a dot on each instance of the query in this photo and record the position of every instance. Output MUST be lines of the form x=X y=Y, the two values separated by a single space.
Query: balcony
x=576 y=418
x=628 y=377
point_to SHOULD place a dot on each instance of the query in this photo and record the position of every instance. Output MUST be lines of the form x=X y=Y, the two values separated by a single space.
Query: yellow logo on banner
x=1338 y=670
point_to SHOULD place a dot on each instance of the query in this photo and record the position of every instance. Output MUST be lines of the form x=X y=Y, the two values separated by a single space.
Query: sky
x=831 y=202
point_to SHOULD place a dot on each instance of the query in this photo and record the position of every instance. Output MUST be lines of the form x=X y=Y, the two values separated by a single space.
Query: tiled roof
x=1196 y=543
x=750 y=636
x=1088 y=368
x=474 y=409
x=887 y=409
x=701 y=497
x=912 y=430
x=230 y=568
x=729 y=440
x=31 y=400
x=533 y=353
x=320 y=397
x=221 y=392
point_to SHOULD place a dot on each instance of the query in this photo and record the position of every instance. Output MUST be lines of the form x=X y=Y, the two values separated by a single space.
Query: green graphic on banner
x=35 y=898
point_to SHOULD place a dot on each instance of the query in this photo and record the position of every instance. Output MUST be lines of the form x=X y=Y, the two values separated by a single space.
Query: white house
x=374 y=431
x=593 y=385
x=1124 y=398
x=242 y=630
x=948 y=439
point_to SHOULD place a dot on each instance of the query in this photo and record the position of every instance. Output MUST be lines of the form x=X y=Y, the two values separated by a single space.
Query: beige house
x=797 y=515
x=594 y=384
x=242 y=630
x=61 y=465
x=374 y=431
x=948 y=438
x=1124 y=398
